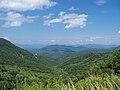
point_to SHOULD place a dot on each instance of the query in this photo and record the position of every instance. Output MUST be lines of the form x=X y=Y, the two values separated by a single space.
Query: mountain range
x=52 y=65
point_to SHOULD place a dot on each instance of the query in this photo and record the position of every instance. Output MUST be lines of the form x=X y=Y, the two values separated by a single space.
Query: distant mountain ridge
x=59 y=53
x=64 y=48
x=39 y=46
x=81 y=48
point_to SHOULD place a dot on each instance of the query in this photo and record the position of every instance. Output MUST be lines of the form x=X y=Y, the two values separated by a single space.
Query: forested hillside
x=21 y=70
x=13 y=55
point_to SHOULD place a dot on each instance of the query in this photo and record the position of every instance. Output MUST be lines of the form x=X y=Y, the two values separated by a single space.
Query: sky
x=71 y=22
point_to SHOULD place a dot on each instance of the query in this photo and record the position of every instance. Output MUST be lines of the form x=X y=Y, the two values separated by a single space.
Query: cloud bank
x=71 y=20
x=13 y=19
x=24 y=5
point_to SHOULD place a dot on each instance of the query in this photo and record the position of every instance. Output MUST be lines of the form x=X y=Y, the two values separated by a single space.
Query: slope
x=15 y=56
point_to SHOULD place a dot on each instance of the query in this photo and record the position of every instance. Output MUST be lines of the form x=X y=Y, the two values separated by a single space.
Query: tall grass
x=98 y=83
x=92 y=83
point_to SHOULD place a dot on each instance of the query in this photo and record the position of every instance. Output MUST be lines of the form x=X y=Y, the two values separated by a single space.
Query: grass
x=92 y=83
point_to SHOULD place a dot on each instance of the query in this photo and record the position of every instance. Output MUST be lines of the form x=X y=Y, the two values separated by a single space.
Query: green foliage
x=114 y=62
x=98 y=83
x=92 y=83
x=21 y=70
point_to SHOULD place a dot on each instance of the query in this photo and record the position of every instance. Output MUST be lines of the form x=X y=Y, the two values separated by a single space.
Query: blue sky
x=60 y=21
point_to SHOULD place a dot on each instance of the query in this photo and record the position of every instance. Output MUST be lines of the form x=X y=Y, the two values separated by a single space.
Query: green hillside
x=82 y=62
x=21 y=70
x=13 y=55
x=16 y=62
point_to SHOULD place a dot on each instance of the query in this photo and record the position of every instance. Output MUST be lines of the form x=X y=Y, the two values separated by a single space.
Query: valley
x=58 y=67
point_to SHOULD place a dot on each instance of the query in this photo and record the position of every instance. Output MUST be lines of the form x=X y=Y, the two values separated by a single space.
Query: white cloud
x=48 y=16
x=16 y=19
x=101 y=2
x=61 y=13
x=73 y=9
x=53 y=40
x=69 y=20
x=24 y=5
x=91 y=40
x=119 y=32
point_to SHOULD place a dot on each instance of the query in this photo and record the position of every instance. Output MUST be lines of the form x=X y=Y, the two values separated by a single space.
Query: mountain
x=72 y=49
x=64 y=48
x=59 y=53
x=114 y=48
x=13 y=55
x=92 y=46
x=18 y=65
x=82 y=65
x=81 y=62
x=22 y=70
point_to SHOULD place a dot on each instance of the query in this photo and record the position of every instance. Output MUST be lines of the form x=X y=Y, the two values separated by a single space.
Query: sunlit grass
x=92 y=83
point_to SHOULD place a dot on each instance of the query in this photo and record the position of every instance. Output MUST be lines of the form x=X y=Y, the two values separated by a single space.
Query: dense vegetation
x=21 y=70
